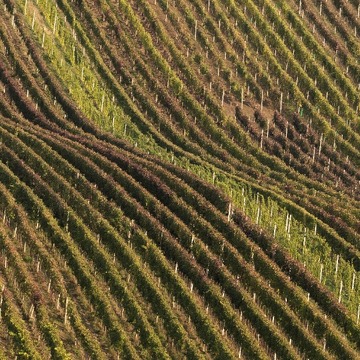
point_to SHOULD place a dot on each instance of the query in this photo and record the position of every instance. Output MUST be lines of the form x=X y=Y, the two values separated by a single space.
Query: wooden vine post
x=66 y=310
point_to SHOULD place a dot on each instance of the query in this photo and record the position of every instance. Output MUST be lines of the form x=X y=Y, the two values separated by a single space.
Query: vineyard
x=179 y=179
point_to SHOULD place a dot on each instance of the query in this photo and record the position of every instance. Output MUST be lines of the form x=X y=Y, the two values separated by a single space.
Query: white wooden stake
x=353 y=281
x=31 y=311
x=340 y=291
x=102 y=103
x=66 y=310
x=54 y=26
x=313 y=156
x=321 y=272
x=321 y=140
x=229 y=212
x=289 y=224
x=43 y=39
x=304 y=243
x=258 y=215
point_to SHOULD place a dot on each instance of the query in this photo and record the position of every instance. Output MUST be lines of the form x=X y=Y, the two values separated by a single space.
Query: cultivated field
x=179 y=179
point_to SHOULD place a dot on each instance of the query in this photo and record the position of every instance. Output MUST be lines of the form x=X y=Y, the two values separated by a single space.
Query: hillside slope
x=179 y=179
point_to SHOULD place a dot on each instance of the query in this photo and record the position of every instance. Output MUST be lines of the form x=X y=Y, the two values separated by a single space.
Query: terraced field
x=179 y=179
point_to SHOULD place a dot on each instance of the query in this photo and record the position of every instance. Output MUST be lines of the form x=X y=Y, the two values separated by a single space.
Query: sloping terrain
x=179 y=179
